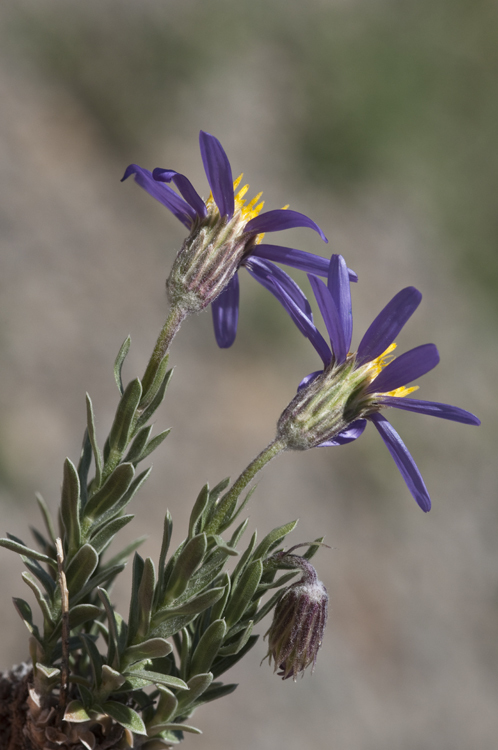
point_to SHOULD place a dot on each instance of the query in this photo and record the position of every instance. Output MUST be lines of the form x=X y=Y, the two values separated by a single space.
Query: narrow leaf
x=118 y=364
x=82 y=613
x=153 y=648
x=243 y=593
x=158 y=678
x=167 y=531
x=125 y=716
x=46 y=517
x=145 y=598
x=21 y=549
x=156 y=402
x=92 y=434
x=196 y=687
x=84 y=466
x=112 y=491
x=119 y=435
x=106 y=534
x=138 y=445
x=81 y=568
x=189 y=559
x=154 y=443
x=70 y=506
x=208 y=647
x=273 y=538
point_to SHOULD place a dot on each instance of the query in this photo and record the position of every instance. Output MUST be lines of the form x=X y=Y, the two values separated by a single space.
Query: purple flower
x=226 y=233
x=333 y=405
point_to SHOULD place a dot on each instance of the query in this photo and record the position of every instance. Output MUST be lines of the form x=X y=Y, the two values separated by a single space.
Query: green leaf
x=112 y=680
x=112 y=491
x=138 y=445
x=105 y=534
x=166 y=707
x=177 y=728
x=273 y=538
x=205 y=576
x=145 y=598
x=267 y=607
x=134 y=613
x=167 y=531
x=195 y=525
x=84 y=466
x=243 y=592
x=239 y=643
x=154 y=443
x=157 y=382
x=81 y=568
x=125 y=716
x=118 y=364
x=82 y=613
x=94 y=656
x=125 y=552
x=76 y=713
x=188 y=560
x=70 y=506
x=237 y=534
x=208 y=647
x=149 y=410
x=21 y=549
x=153 y=648
x=41 y=574
x=192 y=607
x=92 y=434
x=221 y=544
x=218 y=608
x=113 y=649
x=104 y=576
x=196 y=687
x=157 y=678
x=227 y=662
x=24 y=611
x=215 y=691
x=121 y=429
x=46 y=517
x=313 y=548
x=47 y=613
x=246 y=556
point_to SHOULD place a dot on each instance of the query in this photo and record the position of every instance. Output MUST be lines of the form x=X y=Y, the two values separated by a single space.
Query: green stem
x=171 y=327
x=228 y=502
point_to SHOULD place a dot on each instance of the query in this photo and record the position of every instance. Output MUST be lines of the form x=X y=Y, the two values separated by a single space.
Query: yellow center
x=377 y=365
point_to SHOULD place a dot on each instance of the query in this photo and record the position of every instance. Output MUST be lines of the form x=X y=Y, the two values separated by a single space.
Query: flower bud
x=299 y=621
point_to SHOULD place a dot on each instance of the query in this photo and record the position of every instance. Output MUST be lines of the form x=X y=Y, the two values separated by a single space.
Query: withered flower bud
x=296 y=632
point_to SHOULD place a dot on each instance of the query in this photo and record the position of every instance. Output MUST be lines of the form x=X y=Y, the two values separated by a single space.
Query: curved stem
x=171 y=327
x=228 y=502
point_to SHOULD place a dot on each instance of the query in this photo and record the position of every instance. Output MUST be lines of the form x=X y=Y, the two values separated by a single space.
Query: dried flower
x=299 y=620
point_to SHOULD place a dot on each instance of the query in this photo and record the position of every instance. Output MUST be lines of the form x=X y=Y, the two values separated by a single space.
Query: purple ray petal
x=338 y=284
x=331 y=318
x=303 y=322
x=279 y=219
x=308 y=379
x=162 y=193
x=388 y=324
x=352 y=432
x=225 y=309
x=300 y=259
x=262 y=270
x=218 y=173
x=406 y=368
x=403 y=460
x=185 y=187
x=432 y=408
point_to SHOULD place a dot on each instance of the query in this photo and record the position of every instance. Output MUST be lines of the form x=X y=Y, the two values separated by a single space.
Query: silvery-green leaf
x=112 y=491
x=94 y=656
x=154 y=443
x=185 y=651
x=145 y=598
x=125 y=716
x=104 y=576
x=46 y=546
x=84 y=466
x=234 y=512
x=149 y=410
x=243 y=592
x=134 y=612
x=197 y=685
x=313 y=548
x=150 y=391
x=267 y=606
x=246 y=556
x=122 y=426
x=118 y=364
x=92 y=434
x=272 y=539
x=45 y=578
x=82 y=613
x=193 y=607
x=208 y=647
x=166 y=707
x=195 y=525
x=167 y=531
x=177 y=728
x=237 y=534
x=81 y=568
x=105 y=534
x=22 y=549
x=48 y=616
x=227 y=662
x=70 y=506
x=157 y=678
x=112 y=640
x=46 y=517
x=111 y=680
x=218 y=608
x=221 y=544
x=218 y=489
x=188 y=560
x=215 y=691
x=205 y=576
x=50 y=675
x=264 y=587
x=24 y=611
x=153 y=648
x=76 y=712
x=239 y=643
x=138 y=445
x=123 y=501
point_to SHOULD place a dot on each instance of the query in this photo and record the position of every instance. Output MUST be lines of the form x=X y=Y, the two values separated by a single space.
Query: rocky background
x=379 y=120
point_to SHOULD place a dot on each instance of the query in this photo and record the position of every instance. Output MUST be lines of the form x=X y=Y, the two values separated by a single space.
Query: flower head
x=333 y=405
x=299 y=620
x=225 y=233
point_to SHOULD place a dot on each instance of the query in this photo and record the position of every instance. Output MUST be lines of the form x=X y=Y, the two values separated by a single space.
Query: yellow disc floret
x=377 y=365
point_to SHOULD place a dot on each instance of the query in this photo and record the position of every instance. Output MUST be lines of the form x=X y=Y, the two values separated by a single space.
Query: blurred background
x=378 y=118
